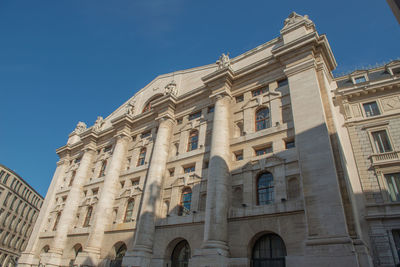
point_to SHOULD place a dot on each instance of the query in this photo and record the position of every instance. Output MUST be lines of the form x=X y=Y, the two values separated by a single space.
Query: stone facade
x=211 y=165
x=19 y=208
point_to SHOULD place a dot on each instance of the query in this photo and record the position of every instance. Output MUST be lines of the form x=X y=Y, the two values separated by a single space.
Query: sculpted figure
x=170 y=88
x=223 y=61
x=99 y=123
x=80 y=127
x=130 y=108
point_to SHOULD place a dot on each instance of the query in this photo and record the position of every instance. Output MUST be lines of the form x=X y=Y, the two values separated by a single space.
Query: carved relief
x=98 y=124
x=130 y=108
x=80 y=127
x=171 y=89
x=295 y=18
x=390 y=103
x=223 y=61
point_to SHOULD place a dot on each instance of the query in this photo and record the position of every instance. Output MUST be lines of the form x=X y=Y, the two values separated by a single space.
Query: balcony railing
x=385 y=158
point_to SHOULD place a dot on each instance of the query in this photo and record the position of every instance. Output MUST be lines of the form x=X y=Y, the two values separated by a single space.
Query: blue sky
x=67 y=61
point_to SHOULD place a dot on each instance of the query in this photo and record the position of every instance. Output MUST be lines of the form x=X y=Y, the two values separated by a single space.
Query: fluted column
x=216 y=220
x=144 y=235
x=104 y=207
x=29 y=256
x=70 y=208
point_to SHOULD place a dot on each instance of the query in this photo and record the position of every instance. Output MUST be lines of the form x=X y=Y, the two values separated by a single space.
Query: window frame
x=368 y=102
x=142 y=157
x=129 y=209
x=88 y=216
x=271 y=187
x=372 y=140
x=185 y=191
x=187 y=167
x=267 y=121
x=260 y=90
x=191 y=141
x=263 y=147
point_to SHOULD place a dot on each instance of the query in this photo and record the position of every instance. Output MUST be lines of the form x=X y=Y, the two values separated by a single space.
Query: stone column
x=70 y=209
x=30 y=256
x=215 y=247
x=144 y=234
x=104 y=207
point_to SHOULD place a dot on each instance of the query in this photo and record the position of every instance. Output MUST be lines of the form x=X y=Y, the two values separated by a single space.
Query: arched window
x=265 y=189
x=56 y=221
x=186 y=201
x=181 y=255
x=148 y=105
x=72 y=178
x=142 y=157
x=103 y=168
x=120 y=250
x=45 y=249
x=88 y=216
x=129 y=210
x=262 y=119
x=269 y=250
x=193 y=140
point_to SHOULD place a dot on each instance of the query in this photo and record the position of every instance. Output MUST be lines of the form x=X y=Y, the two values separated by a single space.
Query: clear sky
x=66 y=61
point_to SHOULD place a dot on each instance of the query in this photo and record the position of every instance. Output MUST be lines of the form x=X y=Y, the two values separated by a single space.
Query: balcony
x=385 y=158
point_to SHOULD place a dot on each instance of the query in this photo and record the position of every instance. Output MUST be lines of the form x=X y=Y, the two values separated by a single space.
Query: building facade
x=370 y=104
x=246 y=162
x=20 y=205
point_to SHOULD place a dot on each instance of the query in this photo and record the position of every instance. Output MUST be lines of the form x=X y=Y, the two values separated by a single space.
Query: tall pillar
x=214 y=250
x=30 y=256
x=68 y=214
x=104 y=207
x=144 y=234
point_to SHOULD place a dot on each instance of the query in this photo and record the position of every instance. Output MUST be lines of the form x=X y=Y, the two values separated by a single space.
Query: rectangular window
x=393 y=182
x=189 y=169
x=210 y=109
x=195 y=115
x=260 y=91
x=145 y=134
x=289 y=144
x=238 y=155
x=371 y=109
x=381 y=141
x=360 y=79
x=239 y=98
x=263 y=150
x=282 y=82
x=135 y=182
x=1 y=174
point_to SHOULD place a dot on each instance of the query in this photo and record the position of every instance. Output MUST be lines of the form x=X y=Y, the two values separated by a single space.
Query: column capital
x=62 y=161
x=221 y=95
x=89 y=148
x=165 y=118
x=122 y=136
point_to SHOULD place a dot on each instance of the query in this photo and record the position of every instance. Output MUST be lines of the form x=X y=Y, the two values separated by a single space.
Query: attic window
x=360 y=79
x=195 y=115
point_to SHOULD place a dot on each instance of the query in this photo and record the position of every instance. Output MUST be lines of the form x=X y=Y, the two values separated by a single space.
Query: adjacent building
x=257 y=160
x=369 y=102
x=19 y=208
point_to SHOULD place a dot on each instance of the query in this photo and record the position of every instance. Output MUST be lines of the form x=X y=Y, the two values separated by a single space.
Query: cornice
x=369 y=87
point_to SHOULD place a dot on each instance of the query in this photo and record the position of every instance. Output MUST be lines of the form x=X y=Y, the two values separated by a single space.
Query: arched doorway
x=75 y=250
x=181 y=254
x=268 y=251
x=120 y=249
